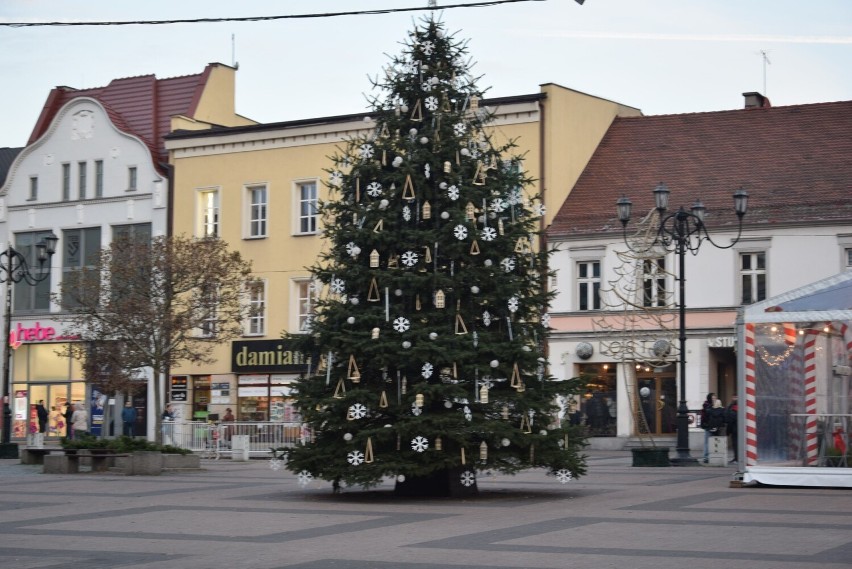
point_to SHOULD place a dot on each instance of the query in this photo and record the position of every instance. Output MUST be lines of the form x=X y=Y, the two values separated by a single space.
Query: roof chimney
x=755 y=100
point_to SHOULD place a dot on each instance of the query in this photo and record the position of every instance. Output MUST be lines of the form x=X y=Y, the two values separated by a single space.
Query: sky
x=661 y=56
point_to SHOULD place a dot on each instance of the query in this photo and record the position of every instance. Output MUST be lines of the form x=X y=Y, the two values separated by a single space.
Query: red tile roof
x=141 y=105
x=795 y=162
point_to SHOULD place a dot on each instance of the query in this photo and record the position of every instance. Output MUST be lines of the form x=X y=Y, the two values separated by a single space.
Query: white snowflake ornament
x=275 y=464
x=486 y=318
x=431 y=103
x=401 y=324
x=453 y=193
x=540 y=210
x=489 y=234
x=374 y=189
x=467 y=478
x=498 y=205
x=460 y=128
x=352 y=249
x=419 y=444
x=508 y=264
x=335 y=179
x=406 y=213
x=415 y=410
x=545 y=320
x=304 y=478
x=426 y=370
x=337 y=285
x=427 y=47
x=355 y=457
x=563 y=475
x=357 y=411
x=460 y=231
x=409 y=258
x=365 y=151
x=513 y=304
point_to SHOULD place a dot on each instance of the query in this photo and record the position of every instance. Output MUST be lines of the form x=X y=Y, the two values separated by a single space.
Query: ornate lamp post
x=682 y=231
x=14 y=268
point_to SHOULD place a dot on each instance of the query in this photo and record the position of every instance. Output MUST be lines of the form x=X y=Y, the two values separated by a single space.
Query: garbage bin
x=240 y=448
x=718 y=451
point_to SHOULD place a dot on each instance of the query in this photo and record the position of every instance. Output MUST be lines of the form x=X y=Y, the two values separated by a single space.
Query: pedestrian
x=41 y=411
x=168 y=418
x=705 y=422
x=731 y=417
x=80 y=421
x=128 y=419
x=228 y=417
x=67 y=413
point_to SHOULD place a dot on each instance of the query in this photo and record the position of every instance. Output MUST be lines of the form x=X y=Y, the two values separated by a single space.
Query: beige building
x=257 y=187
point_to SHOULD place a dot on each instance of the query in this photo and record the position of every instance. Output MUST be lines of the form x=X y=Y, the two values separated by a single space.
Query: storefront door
x=657 y=399
x=54 y=396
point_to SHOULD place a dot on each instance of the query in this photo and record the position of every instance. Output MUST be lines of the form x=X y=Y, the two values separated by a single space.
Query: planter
x=651 y=456
x=181 y=461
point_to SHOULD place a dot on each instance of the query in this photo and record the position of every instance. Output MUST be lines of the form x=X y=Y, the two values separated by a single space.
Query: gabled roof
x=143 y=105
x=794 y=162
x=7 y=156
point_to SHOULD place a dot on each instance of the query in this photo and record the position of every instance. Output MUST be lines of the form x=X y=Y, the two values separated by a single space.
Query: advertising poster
x=97 y=405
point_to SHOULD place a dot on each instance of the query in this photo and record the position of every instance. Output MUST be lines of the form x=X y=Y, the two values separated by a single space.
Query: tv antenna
x=765 y=57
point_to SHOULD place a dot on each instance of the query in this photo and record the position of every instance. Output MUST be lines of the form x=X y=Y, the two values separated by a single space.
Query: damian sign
x=270 y=356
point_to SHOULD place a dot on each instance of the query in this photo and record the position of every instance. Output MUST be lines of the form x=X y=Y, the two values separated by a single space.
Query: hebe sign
x=37 y=333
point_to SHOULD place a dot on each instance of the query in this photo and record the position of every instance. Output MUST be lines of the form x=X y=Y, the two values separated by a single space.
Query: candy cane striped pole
x=811 y=440
x=750 y=415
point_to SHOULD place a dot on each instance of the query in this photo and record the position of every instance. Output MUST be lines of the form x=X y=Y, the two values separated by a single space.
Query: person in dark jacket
x=731 y=424
x=41 y=411
x=128 y=419
x=705 y=421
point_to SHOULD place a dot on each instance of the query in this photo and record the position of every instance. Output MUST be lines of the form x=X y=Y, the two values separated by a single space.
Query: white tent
x=796 y=403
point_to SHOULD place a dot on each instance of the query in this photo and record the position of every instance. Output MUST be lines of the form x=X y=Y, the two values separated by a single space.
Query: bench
x=34 y=455
x=69 y=461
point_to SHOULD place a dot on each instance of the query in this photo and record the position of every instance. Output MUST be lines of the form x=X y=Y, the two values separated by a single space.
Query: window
x=140 y=231
x=33 y=188
x=80 y=250
x=99 y=178
x=307 y=196
x=208 y=211
x=82 y=180
x=131 y=178
x=207 y=307
x=848 y=257
x=753 y=277
x=305 y=310
x=66 y=182
x=257 y=307
x=26 y=296
x=589 y=285
x=654 y=282
x=256 y=211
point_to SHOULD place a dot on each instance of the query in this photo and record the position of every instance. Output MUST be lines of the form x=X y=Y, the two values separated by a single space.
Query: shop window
x=598 y=405
x=31 y=298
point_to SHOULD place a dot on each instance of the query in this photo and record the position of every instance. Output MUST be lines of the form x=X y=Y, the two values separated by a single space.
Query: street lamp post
x=14 y=268
x=682 y=231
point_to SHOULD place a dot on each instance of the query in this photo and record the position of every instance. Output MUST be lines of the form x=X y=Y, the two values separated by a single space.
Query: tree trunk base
x=441 y=484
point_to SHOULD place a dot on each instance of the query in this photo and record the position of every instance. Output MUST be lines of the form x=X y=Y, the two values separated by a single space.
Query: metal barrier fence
x=215 y=439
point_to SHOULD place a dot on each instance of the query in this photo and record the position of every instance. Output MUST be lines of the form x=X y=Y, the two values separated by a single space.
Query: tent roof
x=828 y=299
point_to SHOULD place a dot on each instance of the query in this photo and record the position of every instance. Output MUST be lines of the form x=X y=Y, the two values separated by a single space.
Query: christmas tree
x=431 y=318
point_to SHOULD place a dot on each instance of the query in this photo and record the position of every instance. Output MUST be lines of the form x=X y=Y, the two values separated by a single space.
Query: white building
x=794 y=164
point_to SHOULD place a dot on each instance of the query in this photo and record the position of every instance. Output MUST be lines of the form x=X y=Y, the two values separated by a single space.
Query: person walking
x=128 y=419
x=42 y=413
x=67 y=413
x=731 y=417
x=705 y=423
x=168 y=418
x=80 y=421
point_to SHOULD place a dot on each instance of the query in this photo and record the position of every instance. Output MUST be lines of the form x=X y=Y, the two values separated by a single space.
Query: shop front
x=266 y=371
x=42 y=373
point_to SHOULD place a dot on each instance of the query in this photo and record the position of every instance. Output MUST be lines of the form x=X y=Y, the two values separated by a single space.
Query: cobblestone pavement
x=245 y=515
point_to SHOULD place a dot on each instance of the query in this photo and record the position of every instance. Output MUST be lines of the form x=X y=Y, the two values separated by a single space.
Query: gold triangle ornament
x=525 y=424
x=408 y=189
x=379 y=226
x=373 y=294
x=383 y=132
x=383 y=400
x=393 y=262
x=522 y=245
x=479 y=177
x=474 y=247
x=368 y=452
x=354 y=373
x=417 y=113
x=340 y=390
x=516 y=377
x=460 y=326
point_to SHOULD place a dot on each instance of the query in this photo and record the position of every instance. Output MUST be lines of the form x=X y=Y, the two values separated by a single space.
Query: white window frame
x=848 y=258
x=257 y=213
x=33 y=188
x=256 y=321
x=753 y=275
x=205 y=227
x=655 y=281
x=99 y=178
x=593 y=300
x=66 y=181
x=300 y=204
x=82 y=179
x=132 y=178
x=303 y=303
x=209 y=326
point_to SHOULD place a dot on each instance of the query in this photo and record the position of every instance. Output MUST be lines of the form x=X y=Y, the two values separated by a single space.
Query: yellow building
x=257 y=186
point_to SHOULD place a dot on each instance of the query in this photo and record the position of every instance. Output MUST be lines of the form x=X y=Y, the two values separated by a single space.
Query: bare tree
x=155 y=304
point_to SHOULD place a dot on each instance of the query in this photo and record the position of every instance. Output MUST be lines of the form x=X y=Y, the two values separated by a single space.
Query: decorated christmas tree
x=430 y=328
